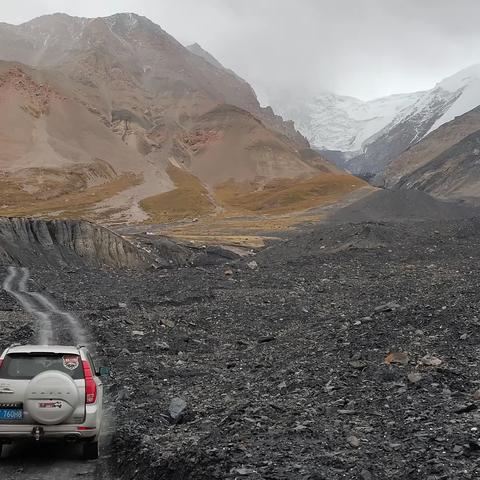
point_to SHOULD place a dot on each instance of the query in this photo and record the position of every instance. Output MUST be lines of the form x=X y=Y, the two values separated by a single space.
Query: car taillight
x=1 y=362
x=90 y=385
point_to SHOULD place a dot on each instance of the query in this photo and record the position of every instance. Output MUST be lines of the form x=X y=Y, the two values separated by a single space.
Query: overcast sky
x=363 y=48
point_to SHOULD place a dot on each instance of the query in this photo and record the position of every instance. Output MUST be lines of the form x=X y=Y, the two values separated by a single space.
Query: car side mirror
x=104 y=371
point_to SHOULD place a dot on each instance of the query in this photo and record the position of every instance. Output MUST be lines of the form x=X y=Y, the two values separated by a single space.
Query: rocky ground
x=348 y=351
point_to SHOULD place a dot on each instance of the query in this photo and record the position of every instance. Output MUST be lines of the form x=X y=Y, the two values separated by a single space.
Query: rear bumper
x=60 y=432
x=88 y=429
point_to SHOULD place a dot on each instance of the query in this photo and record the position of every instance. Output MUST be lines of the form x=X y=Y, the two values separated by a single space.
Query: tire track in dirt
x=16 y=285
x=54 y=325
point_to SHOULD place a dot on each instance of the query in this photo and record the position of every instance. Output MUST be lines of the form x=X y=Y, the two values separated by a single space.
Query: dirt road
x=52 y=326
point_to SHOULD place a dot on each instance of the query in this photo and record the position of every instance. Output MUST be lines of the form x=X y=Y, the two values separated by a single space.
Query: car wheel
x=90 y=450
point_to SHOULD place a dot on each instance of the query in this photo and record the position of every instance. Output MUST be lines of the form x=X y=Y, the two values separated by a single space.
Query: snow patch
x=335 y=122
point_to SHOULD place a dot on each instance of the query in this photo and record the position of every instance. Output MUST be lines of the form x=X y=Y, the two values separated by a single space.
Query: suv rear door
x=18 y=369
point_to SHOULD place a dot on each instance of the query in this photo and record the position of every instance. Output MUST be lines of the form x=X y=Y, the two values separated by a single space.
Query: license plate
x=11 y=414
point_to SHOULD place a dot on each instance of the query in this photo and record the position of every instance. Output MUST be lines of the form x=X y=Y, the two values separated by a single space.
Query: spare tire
x=51 y=397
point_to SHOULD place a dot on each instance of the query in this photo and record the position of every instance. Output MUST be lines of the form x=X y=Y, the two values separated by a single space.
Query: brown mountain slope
x=234 y=139
x=136 y=64
x=60 y=157
x=445 y=163
x=122 y=123
x=198 y=50
x=55 y=154
x=227 y=154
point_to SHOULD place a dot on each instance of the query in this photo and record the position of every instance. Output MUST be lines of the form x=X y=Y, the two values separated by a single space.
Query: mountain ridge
x=142 y=128
x=444 y=163
x=58 y=41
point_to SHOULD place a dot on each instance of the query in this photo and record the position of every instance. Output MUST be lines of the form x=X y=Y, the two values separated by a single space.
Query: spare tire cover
x=51 y=397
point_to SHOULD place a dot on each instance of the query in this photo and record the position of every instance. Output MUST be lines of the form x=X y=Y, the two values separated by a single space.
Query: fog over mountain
x=364 y=49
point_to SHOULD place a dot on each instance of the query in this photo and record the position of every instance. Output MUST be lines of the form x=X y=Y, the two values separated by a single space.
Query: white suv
x=50 y=393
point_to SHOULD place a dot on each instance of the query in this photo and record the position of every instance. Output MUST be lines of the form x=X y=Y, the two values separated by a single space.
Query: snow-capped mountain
x=335 y=122
x=449 y=99
x=372 y=134
x=464 y=88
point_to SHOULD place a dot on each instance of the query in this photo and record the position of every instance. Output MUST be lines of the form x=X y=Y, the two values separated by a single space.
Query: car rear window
x=22 y=366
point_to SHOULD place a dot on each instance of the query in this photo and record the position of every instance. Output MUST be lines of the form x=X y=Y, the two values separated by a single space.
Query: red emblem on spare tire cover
x=71 y=362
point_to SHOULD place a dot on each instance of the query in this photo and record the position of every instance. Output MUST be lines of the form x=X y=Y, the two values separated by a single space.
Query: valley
x=283 y=292
x=286 y=369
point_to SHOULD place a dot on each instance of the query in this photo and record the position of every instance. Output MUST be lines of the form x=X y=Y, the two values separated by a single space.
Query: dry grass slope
x=189 y=199
x=240 y=225
x=284 y=196
x=79 y=204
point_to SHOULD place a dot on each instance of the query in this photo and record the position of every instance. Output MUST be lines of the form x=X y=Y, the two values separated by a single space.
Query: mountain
x=115 y=120
x=365 y=137
x=129 y=52
x=453 y=96
x=196 y=49
x=58 y=155
x=446 y=163
x=340 y=123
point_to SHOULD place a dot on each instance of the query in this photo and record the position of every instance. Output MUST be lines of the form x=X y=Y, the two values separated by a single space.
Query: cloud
x=364 y=48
